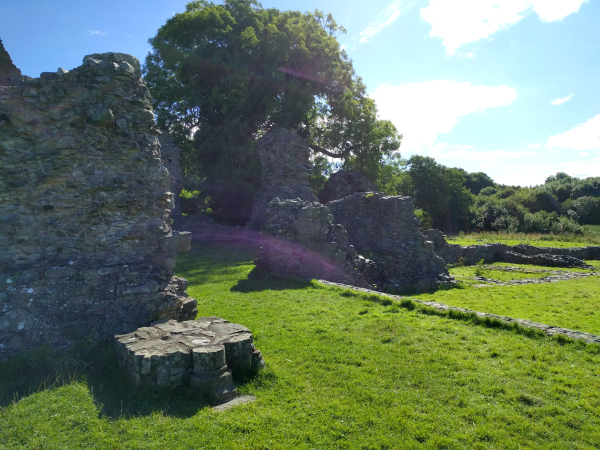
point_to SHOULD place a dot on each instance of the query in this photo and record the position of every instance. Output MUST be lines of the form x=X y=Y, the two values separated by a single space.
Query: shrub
x=425 y=222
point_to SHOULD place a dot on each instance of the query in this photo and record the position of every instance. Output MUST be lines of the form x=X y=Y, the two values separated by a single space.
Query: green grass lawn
x=573 y=304
x=592 y=237
x=344 y=370
x=500 y=275
x=595 y=264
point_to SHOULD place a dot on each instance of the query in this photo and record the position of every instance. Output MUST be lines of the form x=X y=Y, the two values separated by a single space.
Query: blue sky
x=507 y=87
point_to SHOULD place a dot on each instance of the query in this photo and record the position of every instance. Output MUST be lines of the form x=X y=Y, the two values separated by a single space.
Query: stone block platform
x=202 y=353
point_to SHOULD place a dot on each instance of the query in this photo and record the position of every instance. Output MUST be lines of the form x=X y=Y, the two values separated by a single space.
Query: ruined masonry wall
x=385 y=229
x=344 y=183
x=284 y=160
x=517 y=254
x=301 y=240
x=9 y=74
x=84 y=207
x=171 y=158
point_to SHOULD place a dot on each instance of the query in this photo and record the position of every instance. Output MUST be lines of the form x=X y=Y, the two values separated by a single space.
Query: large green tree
x=223 y=74
x=439 y=191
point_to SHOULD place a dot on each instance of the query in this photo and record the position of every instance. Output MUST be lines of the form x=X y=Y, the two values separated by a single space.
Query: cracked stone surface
x=202 y=353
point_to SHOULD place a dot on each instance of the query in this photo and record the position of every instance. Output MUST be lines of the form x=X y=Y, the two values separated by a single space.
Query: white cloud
x=496 y=162
x=384 y=20
x=585 y=136
x=581 y=169
x=422 y=111
x=97 y=33
x=585 y=154
x=552 y=10
x=459 y=22
x=527 y=173
x=487 y=156
x=560 y=101
x=535 y=145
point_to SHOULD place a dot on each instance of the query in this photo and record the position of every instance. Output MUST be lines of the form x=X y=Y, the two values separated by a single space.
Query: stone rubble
x=202 y=353
x=518 y=254
x=87 y=250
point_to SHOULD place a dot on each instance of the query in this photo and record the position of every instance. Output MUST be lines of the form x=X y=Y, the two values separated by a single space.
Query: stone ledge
x=549 y=330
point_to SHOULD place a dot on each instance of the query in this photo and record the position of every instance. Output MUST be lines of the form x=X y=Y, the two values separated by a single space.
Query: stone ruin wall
x=307 y=244
x=284 y=159
x=317 y=241
x=87 y=250
x=344 y=183
x=515 y=254
x=385 y=229
x=10 y=75
x=171 y=158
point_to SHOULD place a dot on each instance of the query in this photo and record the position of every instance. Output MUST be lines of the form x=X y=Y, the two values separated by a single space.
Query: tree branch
x=343 y=154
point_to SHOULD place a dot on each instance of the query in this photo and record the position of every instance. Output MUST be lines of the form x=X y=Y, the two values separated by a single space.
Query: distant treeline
x=453 y=200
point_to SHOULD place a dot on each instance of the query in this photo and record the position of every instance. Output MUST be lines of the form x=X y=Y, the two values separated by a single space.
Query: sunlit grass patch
x=534 y=239
x=573 y=304
x=344 y=370
x=500 y=275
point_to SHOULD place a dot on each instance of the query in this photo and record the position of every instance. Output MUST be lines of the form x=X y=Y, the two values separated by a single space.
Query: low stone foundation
x=202 y=353
x=516 y=254
x=548 y=330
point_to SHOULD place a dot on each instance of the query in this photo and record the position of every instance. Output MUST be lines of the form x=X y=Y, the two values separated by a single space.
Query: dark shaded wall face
x=9 y=74
x=84 y=207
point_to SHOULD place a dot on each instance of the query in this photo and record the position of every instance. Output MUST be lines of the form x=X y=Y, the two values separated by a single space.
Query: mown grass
x=591 y=237
x=344 y=370
x=594 y=263
x=500 y=275
x=573 y=304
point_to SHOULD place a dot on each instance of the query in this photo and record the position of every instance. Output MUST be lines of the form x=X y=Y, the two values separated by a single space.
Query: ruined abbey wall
x=362 y=238
x=171 y=158
x=285 y=171
x=515 y=254
x=87 y=250
x=385 y=229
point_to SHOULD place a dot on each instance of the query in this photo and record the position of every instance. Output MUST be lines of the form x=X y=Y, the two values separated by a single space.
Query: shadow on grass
x=97 y=367
x=258 y=281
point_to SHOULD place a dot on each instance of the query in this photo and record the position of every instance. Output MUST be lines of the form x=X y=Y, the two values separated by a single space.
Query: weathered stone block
x=200 y=352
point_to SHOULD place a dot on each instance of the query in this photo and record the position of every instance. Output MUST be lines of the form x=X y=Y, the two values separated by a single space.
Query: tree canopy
x=223 y=74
